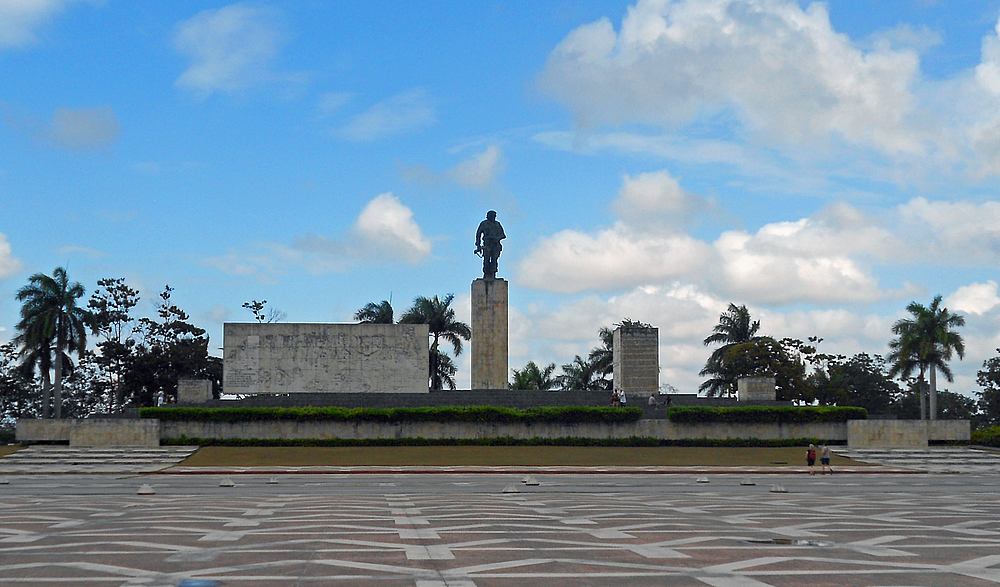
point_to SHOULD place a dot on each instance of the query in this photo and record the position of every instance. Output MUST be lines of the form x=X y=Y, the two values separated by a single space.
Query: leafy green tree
x=954 y=406
x=439 y=316
x=735 y=327
x=924 y=343
x=766 y=357
x=18 y=397
x=170 y=348
x=579 y=375
x=862 y=381
x=52 y=321
x=988 y=379
x=534 y=377
x=112 y=304
x=372 y=313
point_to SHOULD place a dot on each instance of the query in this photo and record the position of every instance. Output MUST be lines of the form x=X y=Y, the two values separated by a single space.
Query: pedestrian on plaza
x=811 y=458
x=653 y=401
x=615 y=401
x=622 y=398
x=159 y=398
x=824 y=459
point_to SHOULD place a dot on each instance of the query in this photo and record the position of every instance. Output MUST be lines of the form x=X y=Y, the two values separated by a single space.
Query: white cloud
x=656 y=199
x=231 y=49
x=85 y=128
x=782 y=71
x=74 y=129
x=479 y=171
x=9 y=264
x=21 y=19
x=384 y=231
x=975 y=298
x=961 y=233
x=400 y=114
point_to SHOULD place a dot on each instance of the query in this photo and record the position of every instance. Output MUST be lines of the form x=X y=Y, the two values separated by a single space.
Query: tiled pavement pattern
x=933 y=460
x=65 y=459
x=462 y=531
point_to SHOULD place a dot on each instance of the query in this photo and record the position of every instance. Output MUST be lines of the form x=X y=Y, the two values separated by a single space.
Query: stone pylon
x=489 y=334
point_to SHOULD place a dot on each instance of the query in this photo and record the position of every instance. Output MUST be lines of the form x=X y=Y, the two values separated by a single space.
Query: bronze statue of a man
x=488 y=245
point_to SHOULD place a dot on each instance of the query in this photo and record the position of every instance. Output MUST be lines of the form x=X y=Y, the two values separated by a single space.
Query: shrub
x=764 y=414
x=561 y=414
x=989 y=436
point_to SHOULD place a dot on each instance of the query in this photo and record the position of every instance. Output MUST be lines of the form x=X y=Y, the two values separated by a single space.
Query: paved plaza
x=464 y=530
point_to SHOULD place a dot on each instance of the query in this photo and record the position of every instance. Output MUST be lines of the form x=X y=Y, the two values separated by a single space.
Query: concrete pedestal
x=489 y=334
x=636 y=359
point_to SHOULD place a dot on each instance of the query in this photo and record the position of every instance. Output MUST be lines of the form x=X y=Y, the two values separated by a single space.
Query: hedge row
x=764 y=414
x=559 y=414
x=989 y=436
x=633 y=441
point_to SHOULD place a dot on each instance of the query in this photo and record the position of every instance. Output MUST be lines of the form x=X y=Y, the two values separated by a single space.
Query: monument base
x=489 y=334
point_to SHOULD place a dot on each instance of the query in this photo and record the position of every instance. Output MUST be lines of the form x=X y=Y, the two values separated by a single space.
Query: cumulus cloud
x=230 y=49
x=975 y=298
x=962 y=233
x=384 y=231
x=782 y=71
x=481 y=171
x=400 y=114
x=656 y=199
x=74 y=129
x=9 y=264
x=21 y=19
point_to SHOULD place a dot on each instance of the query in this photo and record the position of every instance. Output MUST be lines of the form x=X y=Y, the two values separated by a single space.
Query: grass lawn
x=258 y=456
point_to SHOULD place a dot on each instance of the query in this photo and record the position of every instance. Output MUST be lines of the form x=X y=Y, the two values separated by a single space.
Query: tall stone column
x=636 y=352
x=489 y=334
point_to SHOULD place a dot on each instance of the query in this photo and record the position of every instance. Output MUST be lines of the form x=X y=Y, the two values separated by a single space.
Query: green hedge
x=633 y=441
x=561 y=414
x=989 y=436
x=764 y=414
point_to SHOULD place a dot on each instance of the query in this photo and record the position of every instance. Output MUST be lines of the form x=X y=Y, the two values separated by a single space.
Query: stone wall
x=325 y=358
x=636 y=353
x=905 y=433
x=194 y=391
x=662 y=429
x=91 y=432
x=755 y=389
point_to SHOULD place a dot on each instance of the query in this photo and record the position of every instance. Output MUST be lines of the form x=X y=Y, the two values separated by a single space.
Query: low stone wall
x=661 y=429
x=91 y=432
x=905 y=433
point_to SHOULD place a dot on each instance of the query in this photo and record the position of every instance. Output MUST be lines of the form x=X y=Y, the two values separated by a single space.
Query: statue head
x=491 y=215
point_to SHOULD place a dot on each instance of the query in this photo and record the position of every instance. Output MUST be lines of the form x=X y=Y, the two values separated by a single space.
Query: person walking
x=811 y=458
x=824 y=459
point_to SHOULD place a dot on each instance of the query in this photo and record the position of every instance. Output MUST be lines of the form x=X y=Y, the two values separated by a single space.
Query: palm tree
x=533 y=377
x=603 y=357
x=579 y=375
x=51 y=322
x=734 y=327
x=372 y=313
x=925 y=343
x=439 y=316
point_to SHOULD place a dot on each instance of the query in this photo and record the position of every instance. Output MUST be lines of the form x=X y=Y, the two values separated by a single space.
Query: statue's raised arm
x=488 y=245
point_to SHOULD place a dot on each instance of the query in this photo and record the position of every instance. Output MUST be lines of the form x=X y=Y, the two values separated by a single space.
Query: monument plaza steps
x=66 y=459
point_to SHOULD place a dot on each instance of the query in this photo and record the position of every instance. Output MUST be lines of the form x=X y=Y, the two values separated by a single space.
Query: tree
x=602 y=358
x=18 y=397
x=534 y=377
x=925 y=342
x=372 y=313
x=862 y=381
x=52 y=322
x=989 y=398
x=257 y=309
x=170 y=348
x=735 y=327
x=954 y=406
x=579 y=375
x=766 y=357
x=111 y=304
x=439 y=316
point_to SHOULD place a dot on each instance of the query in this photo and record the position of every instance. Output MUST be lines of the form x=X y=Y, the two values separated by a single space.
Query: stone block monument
x=636 y=351
x=755 y=389
x=489 y=334
x=193 y=391
x=325 y=358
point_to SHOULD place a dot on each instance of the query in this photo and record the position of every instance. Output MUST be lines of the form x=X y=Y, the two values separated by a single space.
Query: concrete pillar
x=489 y=334
x=636 y=353
x=194 y=391
x=756 y=389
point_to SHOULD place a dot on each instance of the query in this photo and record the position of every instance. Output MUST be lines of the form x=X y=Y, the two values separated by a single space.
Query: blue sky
x=824 y=164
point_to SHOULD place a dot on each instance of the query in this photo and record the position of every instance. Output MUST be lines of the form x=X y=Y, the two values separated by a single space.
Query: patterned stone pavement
x=956 y=459
x=464 y=531
x=67 y=459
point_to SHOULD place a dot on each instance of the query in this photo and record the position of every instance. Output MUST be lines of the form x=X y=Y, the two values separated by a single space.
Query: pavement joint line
x=521 y=470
